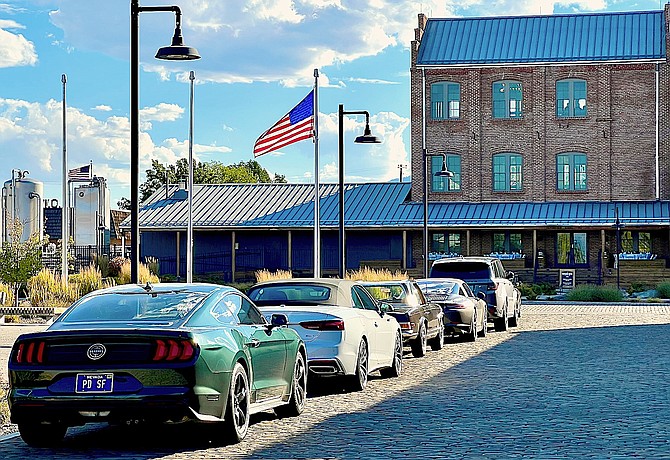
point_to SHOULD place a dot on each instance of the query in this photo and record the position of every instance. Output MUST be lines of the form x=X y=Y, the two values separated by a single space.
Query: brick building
x=545 y=111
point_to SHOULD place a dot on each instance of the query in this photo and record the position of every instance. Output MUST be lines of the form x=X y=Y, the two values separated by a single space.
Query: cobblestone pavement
x=561 y=386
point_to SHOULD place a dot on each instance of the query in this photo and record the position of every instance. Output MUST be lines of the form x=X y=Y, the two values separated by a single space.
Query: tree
x=212 y=172
x=19 y=260
x=124 y=203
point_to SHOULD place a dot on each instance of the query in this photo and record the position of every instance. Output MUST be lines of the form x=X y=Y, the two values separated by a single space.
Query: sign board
x=567 y=279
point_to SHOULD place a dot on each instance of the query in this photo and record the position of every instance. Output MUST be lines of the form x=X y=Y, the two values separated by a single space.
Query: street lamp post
x=189 y=236
x=444 y=172
x=175 y=52
x=366 y=138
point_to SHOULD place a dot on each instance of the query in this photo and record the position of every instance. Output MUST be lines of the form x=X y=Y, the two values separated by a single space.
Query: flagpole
x=66 y=195
x=317 y=194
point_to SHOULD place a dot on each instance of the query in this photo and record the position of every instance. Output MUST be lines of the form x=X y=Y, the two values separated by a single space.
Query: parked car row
x=209 y=353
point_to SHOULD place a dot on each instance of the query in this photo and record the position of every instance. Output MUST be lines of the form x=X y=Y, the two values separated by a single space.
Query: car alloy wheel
x=437 y=342
x=296 y=404
x=360 y=379
x=420 y=344
x=472 y=333
x=484 y=325
x=396 y=365
x=237 y=412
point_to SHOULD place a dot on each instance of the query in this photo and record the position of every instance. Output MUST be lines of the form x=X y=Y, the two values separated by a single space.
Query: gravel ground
x=321 y=406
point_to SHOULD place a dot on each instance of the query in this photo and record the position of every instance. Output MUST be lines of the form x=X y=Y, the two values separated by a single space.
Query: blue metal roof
x=630 y=36
x=381 y=205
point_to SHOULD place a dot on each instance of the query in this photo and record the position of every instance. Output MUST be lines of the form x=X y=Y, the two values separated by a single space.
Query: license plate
x=94 y=383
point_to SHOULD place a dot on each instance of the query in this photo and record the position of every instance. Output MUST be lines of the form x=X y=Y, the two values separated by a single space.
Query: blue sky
x=258 y=58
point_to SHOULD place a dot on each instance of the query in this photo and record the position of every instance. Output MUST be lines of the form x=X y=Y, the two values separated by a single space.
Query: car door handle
x=255 y=343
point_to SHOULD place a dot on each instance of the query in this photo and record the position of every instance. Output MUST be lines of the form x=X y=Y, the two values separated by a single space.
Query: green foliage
x=532 y=291
x=663 y=290
x=639 y=287
x=593 y=293
x=102 y=263
x=212 y=172
x=153 y=265
x=19 y=260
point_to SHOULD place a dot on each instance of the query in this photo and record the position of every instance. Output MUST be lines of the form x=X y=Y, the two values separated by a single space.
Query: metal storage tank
x=26 y=196
x=92 y=214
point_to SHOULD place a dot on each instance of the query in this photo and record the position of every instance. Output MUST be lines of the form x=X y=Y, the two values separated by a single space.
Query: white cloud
x=15 y=50
x=373 y=81
x=102 y=108
x=31 y=138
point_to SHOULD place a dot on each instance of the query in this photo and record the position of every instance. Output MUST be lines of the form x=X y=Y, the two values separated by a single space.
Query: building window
x=507 y=243
x=571 y=98
x=445 y=101
x=507 y=98
x=445 y=184
x=446 y=243
x=571 y=171
x=635 y=242
x=507 y=172
x=571 y=249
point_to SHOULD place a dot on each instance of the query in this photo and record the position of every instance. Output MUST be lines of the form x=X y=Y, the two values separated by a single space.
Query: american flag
x=80 y=173
x=297 y=125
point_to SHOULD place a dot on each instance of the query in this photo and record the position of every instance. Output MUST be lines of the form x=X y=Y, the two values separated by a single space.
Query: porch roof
x=376 y=205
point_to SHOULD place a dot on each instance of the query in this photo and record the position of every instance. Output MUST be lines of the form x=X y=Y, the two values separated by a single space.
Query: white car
x=346 y=331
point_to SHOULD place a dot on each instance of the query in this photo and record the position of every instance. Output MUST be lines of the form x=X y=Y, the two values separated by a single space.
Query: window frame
x=634 y=241
x=449 y=100
x=507 y=242
x=453 y=184
x=447 y=243
x=573 y=174
x=507 y=99
x=507 y=171
x=571 y=254
x=570 y=92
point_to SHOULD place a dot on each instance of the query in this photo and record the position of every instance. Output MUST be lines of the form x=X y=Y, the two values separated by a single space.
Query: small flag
x=297 y=125
x=81 y=173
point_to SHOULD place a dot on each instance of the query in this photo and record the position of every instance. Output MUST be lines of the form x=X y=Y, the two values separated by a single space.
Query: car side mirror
x=481 y=295
x=278 y=320
x=511 y=276
x=385 y=307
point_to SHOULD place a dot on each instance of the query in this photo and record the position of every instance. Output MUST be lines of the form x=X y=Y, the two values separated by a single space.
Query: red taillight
x=329 y=325
x=492 y=286
x=31 y=352
x=173 y=350
x=405 y=326
x=457 y=306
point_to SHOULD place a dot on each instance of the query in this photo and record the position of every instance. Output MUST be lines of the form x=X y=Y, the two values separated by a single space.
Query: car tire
x=236 y=421
x=296 y=405
x=471 y=336
x=514 y=320
x=420 y=344
x=42 y=434
x=485 y=326
x=501 y=324
x=396 y=367
x=437 y=342
x=359 y=380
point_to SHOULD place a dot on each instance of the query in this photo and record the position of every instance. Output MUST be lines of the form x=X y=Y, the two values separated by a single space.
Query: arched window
x=445 y=100
x=507 y=172
x=507 y=99
x=571 y=171
x=446 y=184
x=571 y=98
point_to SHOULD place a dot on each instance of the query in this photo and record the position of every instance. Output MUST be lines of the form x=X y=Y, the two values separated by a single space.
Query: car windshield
x=461 y=270
x=392 y=293
x=144 y=306
x=290 y=294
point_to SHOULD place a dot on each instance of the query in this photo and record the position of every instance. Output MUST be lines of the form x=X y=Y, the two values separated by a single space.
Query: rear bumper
x=325 y=366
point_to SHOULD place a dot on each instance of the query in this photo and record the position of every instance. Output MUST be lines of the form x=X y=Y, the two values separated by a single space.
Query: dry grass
x=144 y=275
x=376 y=274
x=48 y=290
x=9 y=294
x=267 y=275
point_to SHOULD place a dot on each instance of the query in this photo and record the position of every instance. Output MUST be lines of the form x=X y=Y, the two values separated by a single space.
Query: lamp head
x=367 y=137
x=177 y=51
x=444 y=172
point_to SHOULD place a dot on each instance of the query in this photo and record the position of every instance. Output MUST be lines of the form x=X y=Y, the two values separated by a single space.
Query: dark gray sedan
x=420 y=320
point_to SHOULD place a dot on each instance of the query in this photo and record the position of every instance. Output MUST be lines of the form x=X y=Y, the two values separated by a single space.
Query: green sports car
x=164 y=353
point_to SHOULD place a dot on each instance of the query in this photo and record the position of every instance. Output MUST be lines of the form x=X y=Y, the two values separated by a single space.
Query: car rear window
x=163 y=306
x=305 y=294
x=393 y=293
x=461 y=270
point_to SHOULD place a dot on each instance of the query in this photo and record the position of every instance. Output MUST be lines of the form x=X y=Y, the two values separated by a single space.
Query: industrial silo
x=22 y=203
x=92 y=214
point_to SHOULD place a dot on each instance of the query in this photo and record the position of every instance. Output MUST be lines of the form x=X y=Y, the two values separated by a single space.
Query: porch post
x=290 y=251
x=178 y=255
x=467 y=242
x=232 y=255
x=403 y=263
x=534 y=248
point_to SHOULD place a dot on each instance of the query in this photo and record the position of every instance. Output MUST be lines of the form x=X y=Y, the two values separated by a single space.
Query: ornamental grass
x=592 y=293
x=144 y=274
x=267 y=275
x=46 y=289
x=376 y=274
x=9 y=294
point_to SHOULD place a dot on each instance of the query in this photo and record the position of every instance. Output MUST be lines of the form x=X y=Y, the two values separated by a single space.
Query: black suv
x=487 y=275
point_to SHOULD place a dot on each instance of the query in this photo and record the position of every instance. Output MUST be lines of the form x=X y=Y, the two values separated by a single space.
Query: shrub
x=267 y=275
x=663 y=290
x=47 y=289
x=9 y=293
x=592 y=293
x=152 y=265
x=102 y=262
x=376 y=274
x=115 y=266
